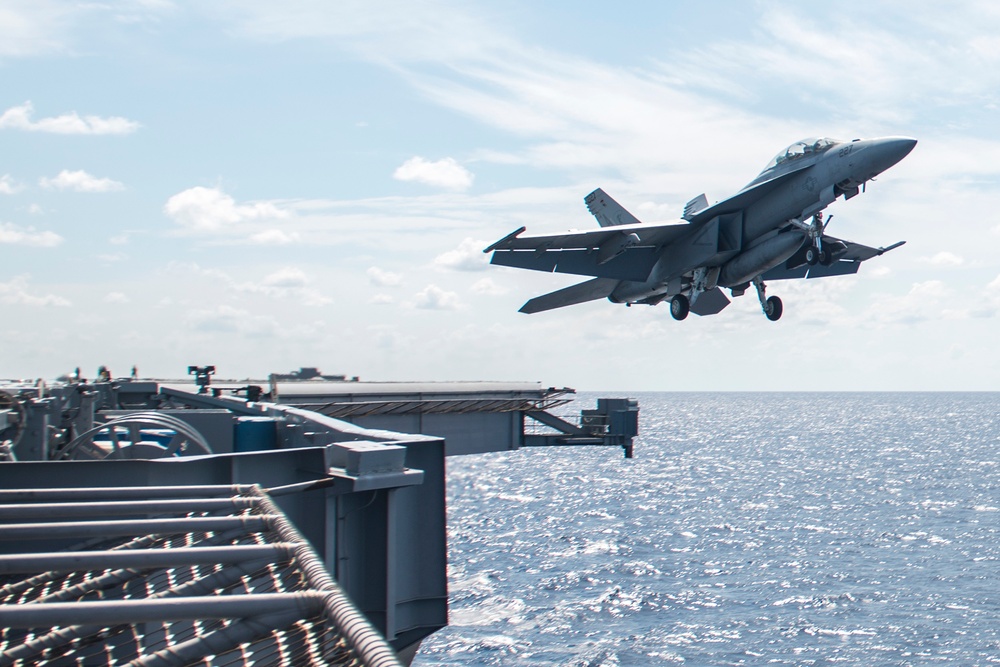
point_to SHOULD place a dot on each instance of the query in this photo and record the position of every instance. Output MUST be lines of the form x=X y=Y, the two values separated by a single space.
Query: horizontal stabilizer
x=598 y=288
x=710 y=303
x=608 y=212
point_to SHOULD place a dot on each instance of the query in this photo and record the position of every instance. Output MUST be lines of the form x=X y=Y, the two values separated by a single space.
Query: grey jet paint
x=772 y=229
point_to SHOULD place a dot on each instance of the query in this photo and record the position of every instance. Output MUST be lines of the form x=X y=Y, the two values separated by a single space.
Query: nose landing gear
x=816 y=253
x=772 y=305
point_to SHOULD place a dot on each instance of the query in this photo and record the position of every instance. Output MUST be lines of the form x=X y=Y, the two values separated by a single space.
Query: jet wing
x=846 y=262
x=622 y=252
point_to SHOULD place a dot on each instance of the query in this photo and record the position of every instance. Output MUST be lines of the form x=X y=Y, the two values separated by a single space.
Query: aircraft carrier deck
x=287 y=522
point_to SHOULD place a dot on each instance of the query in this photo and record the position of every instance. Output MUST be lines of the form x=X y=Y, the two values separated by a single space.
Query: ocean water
x=750 y=529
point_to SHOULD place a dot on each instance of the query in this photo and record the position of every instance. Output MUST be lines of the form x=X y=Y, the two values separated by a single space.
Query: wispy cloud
x=80 y=181
x=20 y=118
x=274 y=237
x=28 y=236
x=8 y=186
x=224 y=319
x=487 y=287
x=944 y=258
x=16 y=292
x=116 y=297
x=288 y=283
x=35 y=27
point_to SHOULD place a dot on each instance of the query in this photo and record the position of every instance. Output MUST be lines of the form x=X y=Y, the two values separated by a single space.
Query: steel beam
x=120 y=493
x=34 y=531
x=130 y=612
x=72 y=561
x=124 y=508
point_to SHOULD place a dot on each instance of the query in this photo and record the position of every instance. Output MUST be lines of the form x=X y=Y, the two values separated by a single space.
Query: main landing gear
x=771 y=305
x=680 y=306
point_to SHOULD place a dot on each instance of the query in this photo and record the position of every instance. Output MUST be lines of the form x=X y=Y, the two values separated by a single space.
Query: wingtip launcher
x=882 y=251
x=510 y=237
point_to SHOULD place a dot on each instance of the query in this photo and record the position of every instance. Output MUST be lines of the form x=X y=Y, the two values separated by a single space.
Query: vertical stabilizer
x=693 y=207
x=608 y=212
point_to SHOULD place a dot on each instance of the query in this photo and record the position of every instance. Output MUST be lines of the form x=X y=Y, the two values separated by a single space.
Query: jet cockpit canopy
x=800 y=149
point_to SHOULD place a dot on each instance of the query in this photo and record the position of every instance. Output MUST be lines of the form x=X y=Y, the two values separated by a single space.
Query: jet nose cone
x=890 y=150
x=901 y=145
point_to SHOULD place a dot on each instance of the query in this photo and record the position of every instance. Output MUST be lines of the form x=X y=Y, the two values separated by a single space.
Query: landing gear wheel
x=679 y=307
x=824 y=257
x=812 y=255
x=773 y=308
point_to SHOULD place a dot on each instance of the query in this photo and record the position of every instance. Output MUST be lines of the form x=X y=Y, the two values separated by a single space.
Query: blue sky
x=264 y=186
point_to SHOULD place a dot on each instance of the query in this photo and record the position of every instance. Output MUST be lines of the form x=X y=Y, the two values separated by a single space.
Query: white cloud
x=116 y=297
x=879 y=272
x=229 y=320
x=8 y=186
x=444 y=173
x=15 y=292
x=381 y=278
x=487 y=287
x=274 y=237
x=288 y=283
x=201 y=209
x=433 y=297
x=15 y=235
x=286 y=278
x=927 y=300
x=80 y=181
x=944 y=258
x=32 y=28
x=20 y=118
x=468 y=256
x=381 y=300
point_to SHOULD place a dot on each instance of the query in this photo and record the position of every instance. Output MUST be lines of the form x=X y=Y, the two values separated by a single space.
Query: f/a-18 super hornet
x=772 y=229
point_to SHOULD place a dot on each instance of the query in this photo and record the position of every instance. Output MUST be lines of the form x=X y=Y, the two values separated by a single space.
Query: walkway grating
x=215 y=577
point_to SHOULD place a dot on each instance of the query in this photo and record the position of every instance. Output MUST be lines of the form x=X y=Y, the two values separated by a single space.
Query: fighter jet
x=772 y=229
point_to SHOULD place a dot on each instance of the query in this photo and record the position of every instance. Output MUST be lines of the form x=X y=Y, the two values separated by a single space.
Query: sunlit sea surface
x=749 y=529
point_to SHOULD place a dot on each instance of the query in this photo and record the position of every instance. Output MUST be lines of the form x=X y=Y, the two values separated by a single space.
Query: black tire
x=812 y=255
x=825 y=258
x=679 y=307
x=774 y=308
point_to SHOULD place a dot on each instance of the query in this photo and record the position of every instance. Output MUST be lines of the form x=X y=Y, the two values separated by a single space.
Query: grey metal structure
x=472 y=417
x=148 y=524
x=772 y=229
